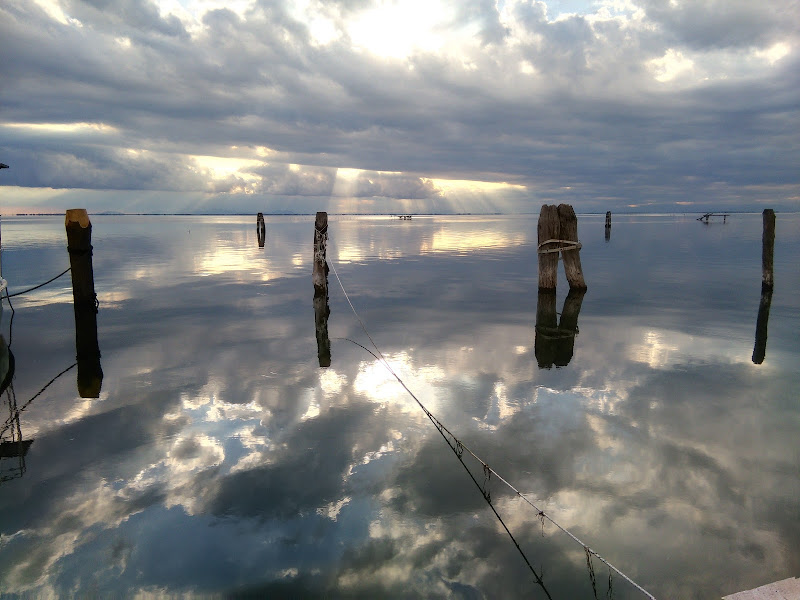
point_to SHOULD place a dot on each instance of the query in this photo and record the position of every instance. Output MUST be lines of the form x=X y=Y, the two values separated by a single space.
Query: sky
x=412 y=106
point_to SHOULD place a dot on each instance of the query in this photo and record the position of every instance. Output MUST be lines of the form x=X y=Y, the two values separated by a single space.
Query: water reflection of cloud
x=219 y=411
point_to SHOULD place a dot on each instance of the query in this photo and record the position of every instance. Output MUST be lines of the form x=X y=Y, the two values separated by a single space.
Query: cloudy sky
x=399 y=106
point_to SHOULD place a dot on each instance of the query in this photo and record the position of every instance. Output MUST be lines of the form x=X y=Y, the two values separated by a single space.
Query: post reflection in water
x=554 y=343
x=306 y=481
x=12 y=447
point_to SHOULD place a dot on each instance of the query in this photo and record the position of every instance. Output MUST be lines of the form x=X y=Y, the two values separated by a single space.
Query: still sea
x=209 y=454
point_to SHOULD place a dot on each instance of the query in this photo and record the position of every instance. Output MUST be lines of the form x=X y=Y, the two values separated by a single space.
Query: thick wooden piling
x=261 y=230
x=84 y=302
x=571 y=255
x=320 y=279
x=767 y=249
x=608 y=225
x=548 y=229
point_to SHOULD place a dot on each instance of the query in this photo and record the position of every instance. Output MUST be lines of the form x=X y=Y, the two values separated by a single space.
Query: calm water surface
x=221 y=460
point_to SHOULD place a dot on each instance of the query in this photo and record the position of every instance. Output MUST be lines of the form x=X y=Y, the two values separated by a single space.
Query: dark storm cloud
x=569 y=108
x=722 y=24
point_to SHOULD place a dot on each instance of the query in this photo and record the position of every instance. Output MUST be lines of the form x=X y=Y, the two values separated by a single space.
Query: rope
x=566 y=245
x=36 y=287
x=458 y=444
x=10 y=420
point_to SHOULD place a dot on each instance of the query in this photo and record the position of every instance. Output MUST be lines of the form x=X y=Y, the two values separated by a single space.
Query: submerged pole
x=84 y=302
x=608 y=225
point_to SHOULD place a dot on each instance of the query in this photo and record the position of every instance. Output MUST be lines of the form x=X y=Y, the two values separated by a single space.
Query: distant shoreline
x=311 y=214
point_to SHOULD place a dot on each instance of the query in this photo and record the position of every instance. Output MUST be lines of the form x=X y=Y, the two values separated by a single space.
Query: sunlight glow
x=63 y=127
x=774 y=53
x=669 y=66
x=396 y=29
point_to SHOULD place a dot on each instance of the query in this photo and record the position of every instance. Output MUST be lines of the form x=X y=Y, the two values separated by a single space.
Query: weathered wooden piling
x=558 y=232
x=767 y=248
x=320 y=269
x=608 y=225
x=84 y=302
x=767 y=282
x=571 y=251
x=548 y=232
x=261 y=230
x=320 y=280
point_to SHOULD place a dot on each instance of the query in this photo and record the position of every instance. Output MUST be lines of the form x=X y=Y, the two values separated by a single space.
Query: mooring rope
x=10 y=420
x=460 y=445
x=566 y=245
x=36 y=287
x=458 y=450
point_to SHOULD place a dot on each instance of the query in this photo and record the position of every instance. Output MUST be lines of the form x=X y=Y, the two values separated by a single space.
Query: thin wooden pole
x=84 y=302
x=767 y=249
x=548 y=229
x=571 y=257
x=320 y=279
x=320 y=269
x=261 y=230
x=767 y=282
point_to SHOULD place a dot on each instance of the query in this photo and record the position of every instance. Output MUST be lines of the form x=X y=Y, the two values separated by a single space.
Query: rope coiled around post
x=566 y=245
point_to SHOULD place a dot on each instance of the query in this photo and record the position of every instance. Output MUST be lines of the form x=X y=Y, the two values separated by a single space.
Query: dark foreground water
x=220 y=459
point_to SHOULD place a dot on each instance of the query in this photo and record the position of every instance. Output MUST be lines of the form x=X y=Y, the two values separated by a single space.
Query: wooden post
x=608 y=225
x=571 y=257
x=84 y=302
x=548 y=229
x=320 y=279
x=767 y=249
x=767 y=281
x=320 y=270
x=261 y=230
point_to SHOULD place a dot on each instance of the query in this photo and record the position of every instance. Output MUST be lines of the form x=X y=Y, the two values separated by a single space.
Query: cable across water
x=459 y=447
